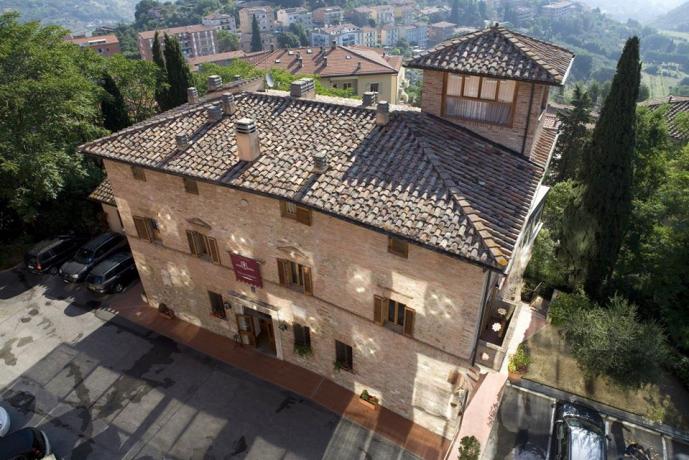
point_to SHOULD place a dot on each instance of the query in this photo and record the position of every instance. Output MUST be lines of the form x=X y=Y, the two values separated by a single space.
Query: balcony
x=496 y=333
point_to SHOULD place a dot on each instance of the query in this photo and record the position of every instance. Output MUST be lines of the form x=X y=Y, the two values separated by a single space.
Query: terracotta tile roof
x=109 y=39
x=498 y=52
x=198 y=60
x=361 y=61
x=674 y=106
x=103 y=193
x=419 y=177
x=546 y=139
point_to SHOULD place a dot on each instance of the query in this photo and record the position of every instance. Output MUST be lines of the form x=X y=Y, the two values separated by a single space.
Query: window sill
x=219 y=316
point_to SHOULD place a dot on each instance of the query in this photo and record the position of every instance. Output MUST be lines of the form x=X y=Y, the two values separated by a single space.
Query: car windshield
x=96 y=279
x=586 y=444
x=84 y=256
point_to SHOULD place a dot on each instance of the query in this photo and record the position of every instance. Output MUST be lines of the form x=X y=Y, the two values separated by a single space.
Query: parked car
x=89 y=255
x=49 y=255
x=4 y=422
x=25 y=444
x=113 y=274
x=579 y=433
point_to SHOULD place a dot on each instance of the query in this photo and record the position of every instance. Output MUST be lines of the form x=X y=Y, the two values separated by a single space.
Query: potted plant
x=369 y=401
x=302 y=350
x=518 y=364
x=469 y=448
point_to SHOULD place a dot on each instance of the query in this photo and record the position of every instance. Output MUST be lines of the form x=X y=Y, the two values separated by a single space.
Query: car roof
x=110 y=262
x=46 y=244
x=17 y=443
x=99 y=240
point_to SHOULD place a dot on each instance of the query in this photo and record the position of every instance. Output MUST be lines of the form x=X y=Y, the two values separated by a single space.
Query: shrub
x=520 y=360
x=469 y=448
x=564 y=306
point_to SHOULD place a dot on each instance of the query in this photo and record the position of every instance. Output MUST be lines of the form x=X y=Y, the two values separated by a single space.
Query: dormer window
x=479 y=98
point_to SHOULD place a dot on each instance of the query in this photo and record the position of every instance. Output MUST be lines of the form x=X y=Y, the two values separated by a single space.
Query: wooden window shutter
x=378 y=303
x=409 y=315
x=213 y=250
x=308 y=286
x=303 y=215
x=192 y=242
x=282 y=271
x=141 y=228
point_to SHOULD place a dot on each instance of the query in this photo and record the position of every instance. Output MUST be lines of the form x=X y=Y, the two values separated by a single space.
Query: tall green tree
x=227 y=41
x=256 y=42
x=178 y=74
x=161 y=86
x=112 y=106
x=573 y=137
x=597 y=218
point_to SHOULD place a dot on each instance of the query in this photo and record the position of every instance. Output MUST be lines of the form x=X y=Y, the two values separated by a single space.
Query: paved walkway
x=339 y=400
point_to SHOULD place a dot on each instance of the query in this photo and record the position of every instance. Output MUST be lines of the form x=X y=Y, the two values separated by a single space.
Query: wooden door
x=268 y=324
x=247 y=334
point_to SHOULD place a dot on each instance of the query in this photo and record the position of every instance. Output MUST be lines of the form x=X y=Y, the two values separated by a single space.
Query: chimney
x=236 y=77
x=383 y=113
x=304 y=87
x=228 y=104
x=369 y=98
x=182 y=141
x=214 y=83
x=358 y=65
x=333 y=44
x=325 y=61
x=247 y=139
x=215 y=113
x=320 y=162
x=192 y=95
x=272 y=47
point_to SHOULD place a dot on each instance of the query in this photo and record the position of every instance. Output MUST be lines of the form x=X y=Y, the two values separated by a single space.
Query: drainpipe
x=528 y=118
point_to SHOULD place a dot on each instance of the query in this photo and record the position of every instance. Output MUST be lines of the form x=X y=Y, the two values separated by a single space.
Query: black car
x=48 y=255
x=25 y=444
x=579 y=433
x=113 y=274
x=89 y=255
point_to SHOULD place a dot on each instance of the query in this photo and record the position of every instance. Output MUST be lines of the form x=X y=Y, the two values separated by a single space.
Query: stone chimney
x=247 y=139
x=358 y=65
x=369 y=98
x=182 y=141
x=333 y=44
x=228 y=104
x=272 y=47
x=304 y=87
x=214 y=83
x=192 y=95
x=214 y=113
x=320 y=162
x=383 y=113
x=236 y=77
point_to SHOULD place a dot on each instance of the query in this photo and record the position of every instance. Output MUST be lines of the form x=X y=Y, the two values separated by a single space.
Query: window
x=343 y=356
x=217 y=305
x=296 y=212
x=375 y=87
x=295 y=276
x=394 y=315
x=479 y=98
x=346 y=86
x=191 y=186
x=203 y=246
x=398 y=247
x=147 y=229
x=302 y=336
x=138 y=173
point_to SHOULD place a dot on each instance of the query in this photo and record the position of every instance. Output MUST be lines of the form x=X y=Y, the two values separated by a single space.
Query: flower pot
x=514 y=377
x=368 y=404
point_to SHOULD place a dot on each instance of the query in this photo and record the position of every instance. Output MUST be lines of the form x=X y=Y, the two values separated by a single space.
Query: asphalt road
x=103 y=388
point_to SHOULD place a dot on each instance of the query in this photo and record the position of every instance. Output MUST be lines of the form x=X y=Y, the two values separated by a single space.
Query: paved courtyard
x=103 y=388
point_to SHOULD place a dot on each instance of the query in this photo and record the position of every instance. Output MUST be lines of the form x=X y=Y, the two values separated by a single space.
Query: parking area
x=103 y=388
x=523 y=428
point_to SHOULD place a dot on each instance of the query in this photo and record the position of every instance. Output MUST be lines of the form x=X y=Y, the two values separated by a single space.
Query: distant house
x=221 y=20
x=219 y=59
x=346 y=34
x=264 y=17
x=674 y=106
x=299 y=15
x=105 y=45
x=195 y=40
x=440 y=31
x=559 y=9
x=345 y=67
x=328 y=15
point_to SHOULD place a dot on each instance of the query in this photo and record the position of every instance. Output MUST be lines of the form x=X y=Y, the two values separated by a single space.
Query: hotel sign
x=246 y=270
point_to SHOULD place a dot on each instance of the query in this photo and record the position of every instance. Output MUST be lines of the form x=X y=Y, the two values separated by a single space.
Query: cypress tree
x=178 y=74
x=597 y=219
x=161 y=95
x=573 y=137
x=113 y=107
x=256 y=43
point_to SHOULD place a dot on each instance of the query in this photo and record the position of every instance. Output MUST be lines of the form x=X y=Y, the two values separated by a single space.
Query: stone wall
x=415 y=377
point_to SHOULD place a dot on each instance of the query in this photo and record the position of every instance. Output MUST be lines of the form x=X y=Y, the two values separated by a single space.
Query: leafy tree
x=137 y=80
x=469 y=448
x=227 y=41
x=644 y=92
x=256 y=42
x=161 y=87
x=299 y=31
x=573 y=137
x=596 y=220
x=178 y=73
x=287 y=40
x=113 y=108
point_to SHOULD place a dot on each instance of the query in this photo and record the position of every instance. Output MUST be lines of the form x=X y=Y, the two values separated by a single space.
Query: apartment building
x=299 y=15
x=368 y=36
x=379 y=14
x=195 y=40
x=346 y=34
x=358 y=69
x=368 y=245
x=328 y=15
x=221 y=21
x=415 y=34
x=559 y=9
x=263 y=14
x=105 y=45
x=440 y=31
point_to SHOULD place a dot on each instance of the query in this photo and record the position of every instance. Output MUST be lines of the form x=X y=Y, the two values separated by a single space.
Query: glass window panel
x=400 y=314
x=471 y=85
x=454 y=85
x=489 y=88
x=506 y=92
x=391 y=311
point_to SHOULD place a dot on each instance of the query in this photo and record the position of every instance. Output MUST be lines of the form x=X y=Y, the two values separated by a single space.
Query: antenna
x=269 y=81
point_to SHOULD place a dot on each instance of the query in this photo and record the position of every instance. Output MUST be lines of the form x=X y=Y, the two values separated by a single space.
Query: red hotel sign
x=246 y=270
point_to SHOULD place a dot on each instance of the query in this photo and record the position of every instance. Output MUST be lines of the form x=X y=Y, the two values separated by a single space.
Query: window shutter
x=283 y=209
x=409 y=315
x=303 y=215
x=308 y=287
x=282 y=272
x=192 y=242
x=141 y=228
x=213 y=250
x=378 y=309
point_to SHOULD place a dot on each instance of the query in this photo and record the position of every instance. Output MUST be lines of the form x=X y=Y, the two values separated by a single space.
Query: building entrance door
x=256 y=329
x=247 y=334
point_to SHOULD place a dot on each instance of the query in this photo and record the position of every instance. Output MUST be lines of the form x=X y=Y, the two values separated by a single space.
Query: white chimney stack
x=215 y=113
x=214 y=83
x=247 y=139
x=383 y=113
x=304 y=87
x=192 y=95
x=228 y=104
x=369 y=98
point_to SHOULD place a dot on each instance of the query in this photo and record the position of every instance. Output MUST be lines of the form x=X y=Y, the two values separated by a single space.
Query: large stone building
x=195 y=40
x=264 y=18
x=368 y=245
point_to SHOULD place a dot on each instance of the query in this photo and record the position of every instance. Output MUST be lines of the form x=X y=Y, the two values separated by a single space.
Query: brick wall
x=350 y=265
